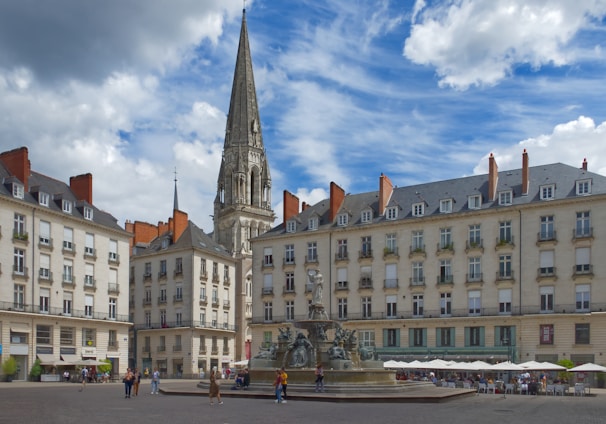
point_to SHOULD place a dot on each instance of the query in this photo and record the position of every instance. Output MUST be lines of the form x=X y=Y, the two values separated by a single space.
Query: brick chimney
x=303 y=206
x=82 y=187
x=143 y=232
x=584 y=165
x=525 y=174
x=179 y=224
x=17 y=163
x=493 y=177
x=337 y=195
x=385 y=191
x=290 y=206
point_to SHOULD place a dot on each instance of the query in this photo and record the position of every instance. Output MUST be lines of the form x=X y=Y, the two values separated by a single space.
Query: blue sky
x=419 y=90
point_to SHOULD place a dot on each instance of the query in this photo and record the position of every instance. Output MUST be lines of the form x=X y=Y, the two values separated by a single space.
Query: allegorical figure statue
x=317 y=279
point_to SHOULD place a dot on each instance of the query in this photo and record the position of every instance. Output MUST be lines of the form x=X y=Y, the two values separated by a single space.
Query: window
x=366 y=216
x=366 y=338
x=203 y=293
x=162 y=298
x=365 y=276
x=312 y=251
x=88 y=306
x=505 y=235
x=290 y=282
x=505 y=301
x=583 y=187
x=583 y=227
x=268 y=311
x=547 y=231
x=342 y=249
x=68 y=267
x=390 y=243
x=113 y=251
x=19 y=261
x=178 y=266
x=289 y=254
x=67 y=303
x=113 y=306
x=445 y=337
x=505 y=198
x=418 y=337
x=88 y=213
x=391 y=276
x=445 y=238
x=203 y=272
x=475 y=269
x=147 y=271
x=341 y=278
x=475 y=235
x=546 y=295
x=581 y=334
x=165 y=242
x=203 y=317
x=66 y=206
x=546 y=334
x=583 y=297
x=89 y=245
x=44 y=237
x=19 y=296
x=504 y=336
x=163 y=318
x=391 y=337
x=366 y=251
x=68 y=239
x=44 y=299
x=417 y=305
x=179 y=319
x=391 y=304
x=215 y=271
x=445 y=276
x=44 y=272
x=446 y=206
x=391 y=213
x=417 y=278
x=583 y=260
x=148 y=321
x=312 y=224
x=112 y=339
x=366 y=307
x=290 y=310
x=291 y=226
x=474 y=201
x=546 y=267
x=268 y=258
x=445 y=304
x=505 y=271
x=162 y=272
x=43 y=198
x=89 y=337
x=67 y=336
x=418 y=242
x=547 y=192
x=474 y=301
x=18 y=190
x=418 y=209
x=474 y=336
x=19 y=227
x=342 y=308
x=44 y=334
x=342 y=219
x=179 y=292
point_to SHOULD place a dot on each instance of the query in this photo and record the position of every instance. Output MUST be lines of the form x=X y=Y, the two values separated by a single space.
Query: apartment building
x=63 y=271
x=505 y=265
x=182 y=295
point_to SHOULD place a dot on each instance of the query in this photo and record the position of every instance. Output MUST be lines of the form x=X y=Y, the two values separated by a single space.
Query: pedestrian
x=278 y=386
x=319 y=378
x=136 y=381
x=246 y=379
x=213 y=389
x=155 y=381
x=128 y=383
x=84 y=375
x=284 y=383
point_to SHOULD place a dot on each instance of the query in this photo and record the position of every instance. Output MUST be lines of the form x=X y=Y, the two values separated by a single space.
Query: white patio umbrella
x=532 y=365
x=505 y=366
x=548 y=366
x=241 y=363
x=391 y=364
x=588 y=367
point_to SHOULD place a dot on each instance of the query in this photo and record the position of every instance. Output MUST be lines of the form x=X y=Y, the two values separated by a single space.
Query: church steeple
x=243 y=202
x=176 y=198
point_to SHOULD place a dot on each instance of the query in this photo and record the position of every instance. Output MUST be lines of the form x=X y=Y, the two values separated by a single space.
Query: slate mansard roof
x=562 y=177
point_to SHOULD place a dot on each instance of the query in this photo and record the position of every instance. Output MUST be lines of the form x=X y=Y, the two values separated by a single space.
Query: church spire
x=176 y=198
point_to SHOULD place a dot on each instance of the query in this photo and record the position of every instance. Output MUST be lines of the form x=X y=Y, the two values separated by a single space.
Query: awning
x=46 y=358
x=20 y=328
x=70 y=359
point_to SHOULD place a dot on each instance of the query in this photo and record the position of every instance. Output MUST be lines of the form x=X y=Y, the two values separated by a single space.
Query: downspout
x=33 y=358
x=330 y=274
x=519 y=286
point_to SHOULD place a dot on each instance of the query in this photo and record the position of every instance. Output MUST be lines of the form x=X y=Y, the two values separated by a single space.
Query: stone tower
x=242 y=208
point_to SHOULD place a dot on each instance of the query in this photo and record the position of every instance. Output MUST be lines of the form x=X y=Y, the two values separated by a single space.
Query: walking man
x=84 y=377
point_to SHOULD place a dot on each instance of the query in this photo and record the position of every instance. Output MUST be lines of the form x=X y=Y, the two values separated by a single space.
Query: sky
x=132 y=90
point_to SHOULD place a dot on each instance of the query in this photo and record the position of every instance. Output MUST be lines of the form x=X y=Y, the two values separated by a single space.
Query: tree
x=565 y=375
x=105 y=368
x=36 y=371
x=9 y=368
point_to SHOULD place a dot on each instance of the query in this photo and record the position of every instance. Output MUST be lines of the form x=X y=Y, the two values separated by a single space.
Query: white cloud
x=309 y=196
x=481 y=42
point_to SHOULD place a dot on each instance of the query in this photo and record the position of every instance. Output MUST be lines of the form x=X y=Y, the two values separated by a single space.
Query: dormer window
x=418 y=209
x=88 y=213
x=505 y=198
x=18 y=190
x=583 y=187
x=66 y=206
x=446 y=206
x=43 y=198
x=366 y=216
x=164 y=243
x=312 y=224
x=342 y=219
x=547 y=192
x=391 y=213
x=291 y=226
x=474 y=202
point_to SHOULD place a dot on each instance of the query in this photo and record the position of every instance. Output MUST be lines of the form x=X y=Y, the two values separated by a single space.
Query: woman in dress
x=213 y=390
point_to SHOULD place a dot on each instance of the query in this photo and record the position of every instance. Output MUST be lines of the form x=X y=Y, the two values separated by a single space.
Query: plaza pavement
x=181 y=401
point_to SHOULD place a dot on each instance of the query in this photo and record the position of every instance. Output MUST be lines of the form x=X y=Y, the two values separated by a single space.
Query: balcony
x=215 y=278
x=45 y=243
x=162 y=300
x=112 y=345
x=147 y=277
x=202 y=350
x=203 y=300
x=215 y=301
x=547 y=237
x=546 y=273
x=417 y=251
x=178 y=272
x=267 y=291
x=341 y=256
x=288 y=290
x=582 y=233
x=68 y=281
x=146 y=349
x=45 y=276
x=582 y=270
x=226 y=282
x=366 y=283
x=21 y=237
x=90 y=253
x=417 y=281
x=113 y=288
x=178 y=298
x=504 y=243
x=226 y=304
x=267 y=264
x=161 y=275
x=444 y=279
x=311 y=259
x=476 y=277
x=447 y=248
x=365 y=254
x=161 y=349
x=204 y=276
x=288 y=261
x=69 y=248
x=474 y=246
x=113 y=258
x=90 y=283
x=390 y=283
x=390 y=253
x=342 y=285
x=504 y=275
x=177 y=348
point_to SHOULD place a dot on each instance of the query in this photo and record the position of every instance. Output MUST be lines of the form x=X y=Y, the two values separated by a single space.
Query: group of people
x=132 y=381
